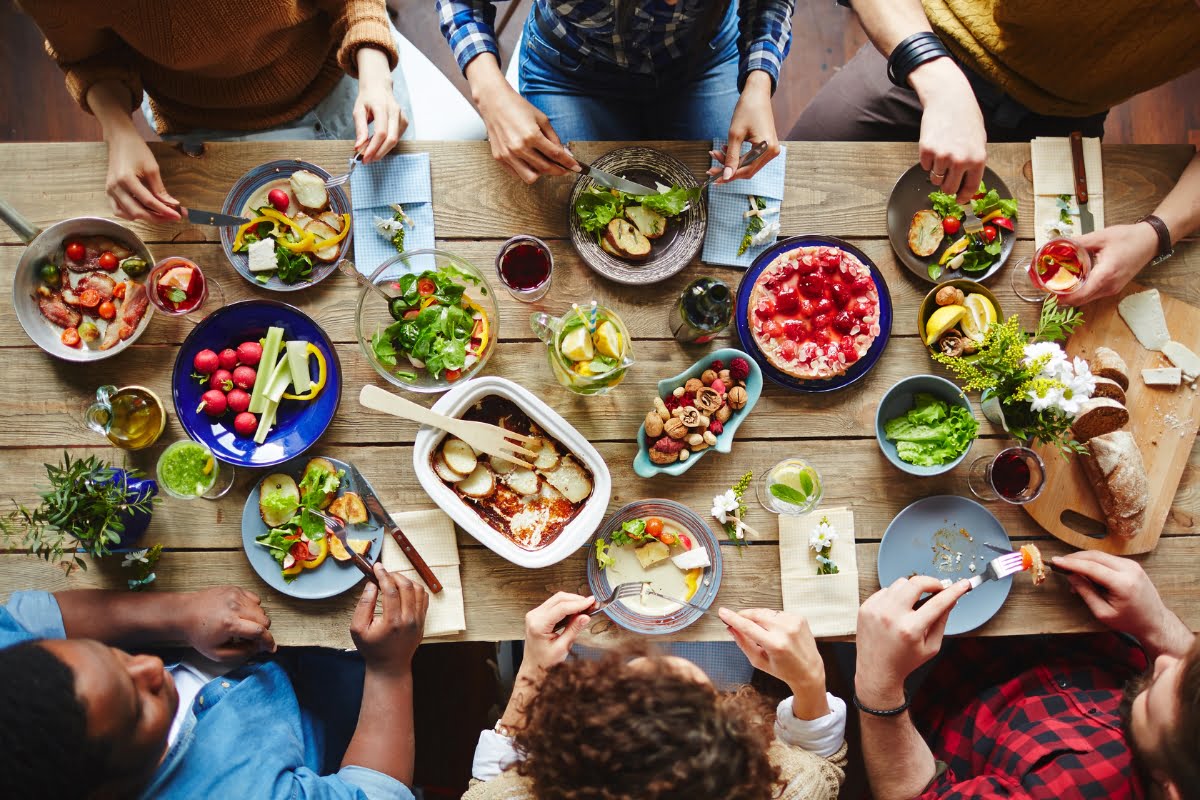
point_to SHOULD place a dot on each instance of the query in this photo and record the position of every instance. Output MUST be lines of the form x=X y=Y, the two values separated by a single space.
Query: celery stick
x=271 y=347
x=266 y=422
x=281 y=378
x=297 y=356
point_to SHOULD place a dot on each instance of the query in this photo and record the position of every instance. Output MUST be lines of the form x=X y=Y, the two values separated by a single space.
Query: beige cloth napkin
x=1054 y=176
x=432 y=533
x=829 y=602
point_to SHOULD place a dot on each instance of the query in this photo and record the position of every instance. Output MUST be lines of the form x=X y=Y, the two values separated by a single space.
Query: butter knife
x=375 y=509
x=668 y=597
x=612 y=181
x=1087 y=223
x=199 y=216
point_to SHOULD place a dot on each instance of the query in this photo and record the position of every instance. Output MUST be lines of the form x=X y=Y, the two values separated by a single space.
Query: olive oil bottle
x=702 y=311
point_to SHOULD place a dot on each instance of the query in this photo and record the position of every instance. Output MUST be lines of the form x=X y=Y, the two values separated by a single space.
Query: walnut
x=708 y=377
x=724 y=413
x=693 y=385
x=948 y=296
x=661 y=458
x=675 y=428
x=710 y=438
x=660 y=408
x=954 y=343
x=738 y=398
x=654 y=425
x=690 y=417
x=665 y=451
x=695 y=439
x=707 y=400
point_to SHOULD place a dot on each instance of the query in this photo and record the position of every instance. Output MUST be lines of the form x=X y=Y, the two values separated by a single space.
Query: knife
x=612 y=181
x=338 y=528
x=1087 y=223
x=375 y=508
x=201 y=217
x=668 y=597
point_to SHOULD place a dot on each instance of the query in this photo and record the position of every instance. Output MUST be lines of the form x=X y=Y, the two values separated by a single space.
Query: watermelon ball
x=229 y=358
x=213 y=403
x=249 y=353
x=243 y=377
x=206 y=362
x=245 y=424
x=238 y=400
x=221 y=379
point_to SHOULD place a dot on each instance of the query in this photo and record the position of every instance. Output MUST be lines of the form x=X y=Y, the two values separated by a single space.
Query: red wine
x=1010 y=475
x=524 y=266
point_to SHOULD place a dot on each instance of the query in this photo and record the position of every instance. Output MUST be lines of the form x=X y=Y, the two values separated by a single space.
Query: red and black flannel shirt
x=1030 y=717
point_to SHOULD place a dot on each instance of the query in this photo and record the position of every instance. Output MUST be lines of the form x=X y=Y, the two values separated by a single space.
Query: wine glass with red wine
x=525 y=267
x=1015 y=475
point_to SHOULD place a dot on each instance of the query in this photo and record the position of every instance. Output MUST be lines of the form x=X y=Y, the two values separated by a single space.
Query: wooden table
x=838 y=189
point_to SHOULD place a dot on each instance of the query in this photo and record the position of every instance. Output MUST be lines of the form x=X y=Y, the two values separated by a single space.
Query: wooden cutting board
x=1163 y=421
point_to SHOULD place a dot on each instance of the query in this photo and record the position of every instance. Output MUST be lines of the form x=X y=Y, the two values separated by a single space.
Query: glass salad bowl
x=426 y=320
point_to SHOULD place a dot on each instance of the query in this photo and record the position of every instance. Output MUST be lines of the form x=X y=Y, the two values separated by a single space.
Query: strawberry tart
x=814 y=311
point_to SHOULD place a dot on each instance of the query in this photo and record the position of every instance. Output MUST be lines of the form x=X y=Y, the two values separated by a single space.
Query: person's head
x=651 y=728
x=81 y=719
x=1162 y=717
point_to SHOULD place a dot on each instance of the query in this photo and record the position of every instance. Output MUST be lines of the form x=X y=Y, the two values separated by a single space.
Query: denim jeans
x=590 y=100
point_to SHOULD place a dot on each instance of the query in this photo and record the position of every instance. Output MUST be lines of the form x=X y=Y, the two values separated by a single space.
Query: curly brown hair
x=603 y=730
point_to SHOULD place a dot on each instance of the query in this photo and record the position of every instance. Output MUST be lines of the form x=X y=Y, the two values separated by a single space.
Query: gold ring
x=937 y=175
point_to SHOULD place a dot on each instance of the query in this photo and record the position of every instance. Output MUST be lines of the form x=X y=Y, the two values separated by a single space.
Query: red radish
x=249 y=353
x=243 y=377
x=212 y=403
x=221 y=379
x=239 y=400
x=206 y=362
x=245 y=424
x=229 y=358
x=279 y=199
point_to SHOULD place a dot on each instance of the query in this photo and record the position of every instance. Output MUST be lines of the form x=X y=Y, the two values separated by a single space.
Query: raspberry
x=739 y=369
x=716 y=427
x=671 y=402
x=689 y=399
x=717 y=365
x=668 y=445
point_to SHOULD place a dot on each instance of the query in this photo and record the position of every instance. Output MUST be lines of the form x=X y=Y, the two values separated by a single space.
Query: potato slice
x=337 y=549
x=323 y=231
x=627 y=240
x=443 y=471
x=277 y=483
x=501 y=466
x=480 y=484
x=459 y=456
x=360 y=546
x=652 y=553
x=571 y=479
x=338 y=508
x=356 y=511
x=523 y=481
x=547 y=456
x=332 y=219
x=309 y=189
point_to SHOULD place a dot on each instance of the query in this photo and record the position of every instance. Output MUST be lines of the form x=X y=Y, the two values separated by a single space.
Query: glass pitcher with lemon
x=588 y=348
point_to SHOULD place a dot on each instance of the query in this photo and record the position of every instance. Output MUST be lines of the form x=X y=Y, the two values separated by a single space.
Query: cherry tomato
x=70 y=337
x=119 y=290
x=951 y=225
x=453 y=374
x=989 y=233
x=107 y=310
x=89 y=298
x=107 y=261
x=667 y=538
x=426 y=287
x=654 y=527
x=76 y=251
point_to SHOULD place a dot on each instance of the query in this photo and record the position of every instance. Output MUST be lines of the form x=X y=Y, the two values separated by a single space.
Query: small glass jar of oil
x=131 y=417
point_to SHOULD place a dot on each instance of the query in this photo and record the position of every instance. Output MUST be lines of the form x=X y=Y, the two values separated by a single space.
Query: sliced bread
x=1117 y=473
x=1107 y=363
x=925 y=232
x=1098 y=416
x=1107 y=387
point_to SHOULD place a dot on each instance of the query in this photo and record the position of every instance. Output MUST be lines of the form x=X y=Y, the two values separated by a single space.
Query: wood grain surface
x=832 y=189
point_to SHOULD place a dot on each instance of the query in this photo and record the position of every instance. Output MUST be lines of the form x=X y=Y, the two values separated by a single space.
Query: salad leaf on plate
x=278 y=542
x=991 y=202
x=669 y=203
x=279 y=503
x=631 y=532
x=932 y=432
x=603 y=558
x=945 y=205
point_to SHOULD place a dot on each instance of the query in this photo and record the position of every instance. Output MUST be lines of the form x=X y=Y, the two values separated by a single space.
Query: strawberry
x=787 y=301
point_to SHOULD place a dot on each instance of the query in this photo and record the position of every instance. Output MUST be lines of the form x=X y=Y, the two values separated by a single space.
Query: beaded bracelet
x=875 y=712
x=911 y=53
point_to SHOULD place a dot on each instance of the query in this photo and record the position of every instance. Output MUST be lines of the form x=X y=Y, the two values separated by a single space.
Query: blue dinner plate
x=331 y=578
x=299 y=423
x=927 y=538
x=859 y=368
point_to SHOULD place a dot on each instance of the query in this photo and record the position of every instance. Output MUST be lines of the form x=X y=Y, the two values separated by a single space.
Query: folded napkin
x=1053 y=176
x=829 y=602
x=432 y=533
x=373 y=189
x=727 y=202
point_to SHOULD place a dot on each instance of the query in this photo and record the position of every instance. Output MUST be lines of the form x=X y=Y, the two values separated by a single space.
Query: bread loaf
x=1098 y=416
x=1117 y=473
x=1107 y=363
x=1107 y=387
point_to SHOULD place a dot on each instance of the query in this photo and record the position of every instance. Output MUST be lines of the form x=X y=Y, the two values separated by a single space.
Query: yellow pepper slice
x=332 y=240
x=319 y=384
x=992 y=215
x=485 y=330
x=241 y=232
x=305 y=245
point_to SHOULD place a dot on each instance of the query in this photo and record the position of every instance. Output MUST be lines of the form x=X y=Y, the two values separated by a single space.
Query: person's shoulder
x=806 y=774
x=508 y=785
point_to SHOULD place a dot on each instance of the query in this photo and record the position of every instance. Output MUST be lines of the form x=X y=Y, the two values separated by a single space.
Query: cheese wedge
x=262 y=255
x=696 y=558
x=1143 y=313
x=1162 y=376
x=1185 y=359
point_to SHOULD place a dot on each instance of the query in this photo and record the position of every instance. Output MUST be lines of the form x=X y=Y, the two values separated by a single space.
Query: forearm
x=1172 y=638
x=124 y=618
x=524 y=688
x=1180 y=209
x=484 y=76
x=384 y=739
x=373 y=64
x=899 y=762
x=809 y=700
x=109 y=101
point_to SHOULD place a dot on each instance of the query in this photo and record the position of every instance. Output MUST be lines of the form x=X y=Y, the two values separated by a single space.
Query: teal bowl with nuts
x=644 y=467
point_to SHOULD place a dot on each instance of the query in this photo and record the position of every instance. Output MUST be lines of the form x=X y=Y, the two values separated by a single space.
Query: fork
x=338 y=180
x=751 y=156
x=622 y=591
x=490 y=439
x=999 y=567
x=339 y=530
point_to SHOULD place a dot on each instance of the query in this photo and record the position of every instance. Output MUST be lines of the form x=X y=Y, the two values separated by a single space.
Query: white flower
x=137 y=556
x=1082 y=382
x=1040 y=402
x=1040 y=349
x=725 y=505
x=823 y=537
x=765 y=234
x=1070 y=404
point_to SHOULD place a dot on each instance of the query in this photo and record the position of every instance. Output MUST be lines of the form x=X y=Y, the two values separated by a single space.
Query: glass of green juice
x=188 y=470
x=793 y=486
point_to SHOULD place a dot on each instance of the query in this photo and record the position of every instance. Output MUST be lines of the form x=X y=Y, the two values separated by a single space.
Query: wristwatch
x=1165 y=250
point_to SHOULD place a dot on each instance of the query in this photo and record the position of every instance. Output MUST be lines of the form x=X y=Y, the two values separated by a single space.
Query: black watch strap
x=1165 y=250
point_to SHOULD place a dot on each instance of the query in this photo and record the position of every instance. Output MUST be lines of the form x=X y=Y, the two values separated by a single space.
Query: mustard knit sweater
x=237 y=64
x=1071 y=58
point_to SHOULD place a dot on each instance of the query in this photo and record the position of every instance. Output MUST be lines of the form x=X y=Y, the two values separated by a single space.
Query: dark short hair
x=44 y=748
x=1180 y=757
x=601 y=730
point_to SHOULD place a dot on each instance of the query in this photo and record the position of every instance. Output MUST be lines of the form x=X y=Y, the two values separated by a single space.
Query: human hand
x=953 y=136
x=225 y=623
x=376 y=103
x=893 y=639
x=1121 y=595
x=387 y=642
x=134 y=184
x=753 y=121
x=543 y=647
x=1118 y=254
x=522 y=137
x=782 y=644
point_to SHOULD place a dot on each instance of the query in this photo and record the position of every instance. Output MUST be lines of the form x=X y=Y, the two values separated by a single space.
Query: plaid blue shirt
x=657 y=37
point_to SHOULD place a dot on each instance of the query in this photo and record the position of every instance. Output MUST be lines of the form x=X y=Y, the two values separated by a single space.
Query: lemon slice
x=980 y=315
x=607 y=340
x=577 y=345
x=943 y=320
x=801 y=480
x=1062 y=281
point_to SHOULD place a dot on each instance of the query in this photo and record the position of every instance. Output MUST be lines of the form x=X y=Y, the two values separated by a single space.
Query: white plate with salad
x=925 y=228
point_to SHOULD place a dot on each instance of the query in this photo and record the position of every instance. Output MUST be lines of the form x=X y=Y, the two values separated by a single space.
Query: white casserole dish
x=578 y=531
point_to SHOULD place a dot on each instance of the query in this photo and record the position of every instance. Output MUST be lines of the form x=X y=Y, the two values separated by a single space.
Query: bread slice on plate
x=925 y=233
x=1118 y=475
x=309 y=189
x=1098 y=416
x=1107 y=363
x=650 y=223
x=627 y=240
x=1107 y=387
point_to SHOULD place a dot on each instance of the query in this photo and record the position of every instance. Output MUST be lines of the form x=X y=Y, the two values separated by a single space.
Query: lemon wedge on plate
x=980 y=315
x=608 y=340
x=943 y=320
x=577 y=345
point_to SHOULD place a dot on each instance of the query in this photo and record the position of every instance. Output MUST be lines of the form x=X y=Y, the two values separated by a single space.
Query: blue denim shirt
x=245 y=735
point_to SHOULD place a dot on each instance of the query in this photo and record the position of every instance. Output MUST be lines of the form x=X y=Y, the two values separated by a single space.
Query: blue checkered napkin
x=728 y=201
x=373 y=189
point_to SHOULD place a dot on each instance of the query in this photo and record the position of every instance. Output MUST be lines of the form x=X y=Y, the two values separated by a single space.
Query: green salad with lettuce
x=973 y=253
x=932 y=433
x=596 y=206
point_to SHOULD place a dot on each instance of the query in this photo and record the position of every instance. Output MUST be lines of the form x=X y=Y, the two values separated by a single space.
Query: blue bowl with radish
x=258 y=382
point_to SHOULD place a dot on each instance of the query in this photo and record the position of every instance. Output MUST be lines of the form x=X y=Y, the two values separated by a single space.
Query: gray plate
x=910 y=195
x=909 y=547
x=669 y=253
